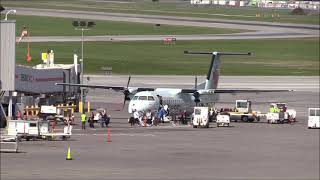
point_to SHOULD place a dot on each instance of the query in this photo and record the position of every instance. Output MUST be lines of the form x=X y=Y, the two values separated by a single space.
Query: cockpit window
x=142 y=97
x=150 y=98
x=135 y=98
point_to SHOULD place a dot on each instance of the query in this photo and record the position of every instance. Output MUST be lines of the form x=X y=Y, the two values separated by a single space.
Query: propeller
x=196 y=94
x=195 y=82
x=126 y=93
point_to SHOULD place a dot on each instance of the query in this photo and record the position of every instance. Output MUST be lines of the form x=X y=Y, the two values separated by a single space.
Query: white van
x=200 y=117
x=314 y=118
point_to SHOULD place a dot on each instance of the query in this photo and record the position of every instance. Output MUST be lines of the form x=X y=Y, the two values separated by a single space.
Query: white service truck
x=200 y=117
x=243 y=112
x=34 y=129
x=284 y=116
x=223 y=120
x=314 y=118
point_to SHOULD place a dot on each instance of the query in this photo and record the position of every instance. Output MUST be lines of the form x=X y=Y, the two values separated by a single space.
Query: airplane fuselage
x=152 y=100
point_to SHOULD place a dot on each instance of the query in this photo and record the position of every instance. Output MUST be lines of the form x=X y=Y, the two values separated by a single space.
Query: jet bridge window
x=150 y=98
x=142 y=97
x=135 y=98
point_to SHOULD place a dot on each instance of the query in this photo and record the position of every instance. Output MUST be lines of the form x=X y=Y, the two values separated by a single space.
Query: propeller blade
x=124 y=102
x=128 y=81
x=126 y=93
x=195 y=82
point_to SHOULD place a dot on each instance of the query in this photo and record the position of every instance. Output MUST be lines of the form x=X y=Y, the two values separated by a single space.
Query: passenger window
x=135 y=98
x=318 y=112
x=150 y=98
x=142 y=97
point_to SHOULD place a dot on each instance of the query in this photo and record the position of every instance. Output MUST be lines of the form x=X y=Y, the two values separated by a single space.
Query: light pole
x=83 y=26
x=12 y=10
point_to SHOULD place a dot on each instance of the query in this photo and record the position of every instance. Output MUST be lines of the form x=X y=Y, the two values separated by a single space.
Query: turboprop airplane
x=144 y=98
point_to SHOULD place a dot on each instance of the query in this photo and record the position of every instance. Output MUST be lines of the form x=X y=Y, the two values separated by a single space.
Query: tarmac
x=242 y=151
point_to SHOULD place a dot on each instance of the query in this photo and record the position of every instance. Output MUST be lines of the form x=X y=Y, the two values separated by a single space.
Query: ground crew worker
x=276 y=109
x=271 y=109
x=83 y=120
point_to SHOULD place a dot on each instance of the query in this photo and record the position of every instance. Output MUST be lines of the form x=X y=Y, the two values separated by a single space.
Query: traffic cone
x=28 y=54
x=109 y=138
x=69 y=154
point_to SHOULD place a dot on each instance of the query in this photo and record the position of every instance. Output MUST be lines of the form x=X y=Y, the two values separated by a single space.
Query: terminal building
x=22 y=86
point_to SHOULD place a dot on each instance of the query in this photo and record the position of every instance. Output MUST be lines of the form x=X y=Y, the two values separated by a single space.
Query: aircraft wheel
x=194 y=126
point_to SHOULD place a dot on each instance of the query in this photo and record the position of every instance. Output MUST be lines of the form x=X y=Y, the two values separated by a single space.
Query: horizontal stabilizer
x=234 y=91
x=220 y=53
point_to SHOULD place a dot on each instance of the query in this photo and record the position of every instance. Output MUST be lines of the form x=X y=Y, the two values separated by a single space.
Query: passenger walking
x=131 y=120
x=107 y=118
x=161 y=114
x=91 y=120
x=102 y=119
x=53 y=125
x=149 y=117
x=136 y=116
x=72 y=119
x=144 y=121
x=83 y=120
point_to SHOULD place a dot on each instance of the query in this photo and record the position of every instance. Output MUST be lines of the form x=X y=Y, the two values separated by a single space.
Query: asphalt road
x=262 y=29
x=242 y=151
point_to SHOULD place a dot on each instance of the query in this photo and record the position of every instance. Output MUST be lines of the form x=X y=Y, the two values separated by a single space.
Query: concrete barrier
x=9 y=144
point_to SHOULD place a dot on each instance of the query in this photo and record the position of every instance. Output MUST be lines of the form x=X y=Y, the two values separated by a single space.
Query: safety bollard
x=80 y=107
x=109 y=137
x=37 y=110
x=32 y=110
x=27 y=111
x=88 y=105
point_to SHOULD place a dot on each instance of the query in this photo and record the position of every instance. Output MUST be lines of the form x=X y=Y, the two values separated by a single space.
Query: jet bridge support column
x=9 y=117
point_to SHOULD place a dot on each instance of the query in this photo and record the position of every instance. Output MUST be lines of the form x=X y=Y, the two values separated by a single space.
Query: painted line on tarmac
x=119 y=134
x=79 y=129
x=149 y=127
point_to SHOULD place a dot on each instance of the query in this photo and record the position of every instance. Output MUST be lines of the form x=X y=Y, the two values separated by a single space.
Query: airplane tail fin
x=212 y=78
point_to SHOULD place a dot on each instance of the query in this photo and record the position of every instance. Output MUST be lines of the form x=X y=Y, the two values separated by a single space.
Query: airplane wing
x=209 y=91
x=233 y=91
x=116 y=88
